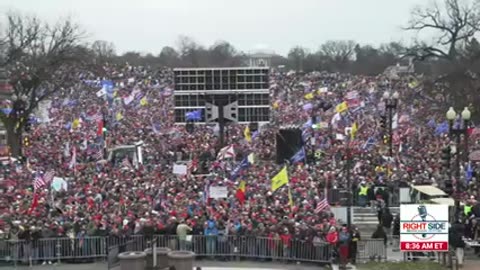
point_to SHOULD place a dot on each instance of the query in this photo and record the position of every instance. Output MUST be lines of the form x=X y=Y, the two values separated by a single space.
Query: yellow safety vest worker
x=467 y=209
x=363 y=191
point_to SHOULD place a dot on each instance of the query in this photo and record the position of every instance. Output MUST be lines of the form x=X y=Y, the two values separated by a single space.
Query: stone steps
x=366 y=220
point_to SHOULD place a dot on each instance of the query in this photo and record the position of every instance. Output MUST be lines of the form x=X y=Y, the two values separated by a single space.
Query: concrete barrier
x=162 y=258
x=132 y=260
x=181 y=260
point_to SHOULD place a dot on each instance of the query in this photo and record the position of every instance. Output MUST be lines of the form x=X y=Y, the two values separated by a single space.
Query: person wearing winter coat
x=456 y=240
x=344 y=245
x=332 y=239
x=211 y=233
x=355 y=237
x=380 y=234
x=387 y=219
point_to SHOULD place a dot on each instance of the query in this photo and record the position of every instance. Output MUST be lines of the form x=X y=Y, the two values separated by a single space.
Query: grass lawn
x=401 y=266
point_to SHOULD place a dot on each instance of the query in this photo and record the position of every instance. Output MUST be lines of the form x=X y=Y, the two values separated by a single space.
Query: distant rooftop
x=261 y=53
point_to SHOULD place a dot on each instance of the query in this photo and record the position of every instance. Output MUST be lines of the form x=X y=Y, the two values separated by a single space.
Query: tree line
x=334 y=56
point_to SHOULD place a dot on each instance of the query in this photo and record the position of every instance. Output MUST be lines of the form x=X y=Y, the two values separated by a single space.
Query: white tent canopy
x=430 y=191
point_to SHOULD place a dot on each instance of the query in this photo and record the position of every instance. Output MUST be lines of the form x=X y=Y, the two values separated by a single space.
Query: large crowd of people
x=121 y=196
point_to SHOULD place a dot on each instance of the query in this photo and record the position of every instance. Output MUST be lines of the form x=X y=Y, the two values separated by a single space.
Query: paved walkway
x=471 y=265
x=234 y=265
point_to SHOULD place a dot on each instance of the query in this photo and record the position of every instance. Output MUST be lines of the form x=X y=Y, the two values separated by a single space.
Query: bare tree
x=103 y=50
x=223 y=54
x=169 y=57
x=338 y=51
x=296 y=57
x=454 y=23
x=453 y=53
x=189 y=51
x=40 y=60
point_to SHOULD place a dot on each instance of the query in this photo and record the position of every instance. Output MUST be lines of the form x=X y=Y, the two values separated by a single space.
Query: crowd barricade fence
x=224 y=247
x=372 y=249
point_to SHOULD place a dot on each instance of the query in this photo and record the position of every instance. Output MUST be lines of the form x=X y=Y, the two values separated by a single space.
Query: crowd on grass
x=117 y=195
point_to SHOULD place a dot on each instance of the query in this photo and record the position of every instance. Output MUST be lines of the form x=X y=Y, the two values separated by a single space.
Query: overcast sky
x=278 y=25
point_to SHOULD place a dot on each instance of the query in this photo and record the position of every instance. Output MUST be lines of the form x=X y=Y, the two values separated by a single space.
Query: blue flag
x=299 y=156
x=369 y=143
x=308 y=124
x=441 y=128
x=72 y=103
x=457 y=124
x=255 y=134
x=156 y=128
x=432 y=123
x=469 y=172
x=33 y=120
x=236 y=171
x=194 y=115
x=7 y=111
x=107 y=86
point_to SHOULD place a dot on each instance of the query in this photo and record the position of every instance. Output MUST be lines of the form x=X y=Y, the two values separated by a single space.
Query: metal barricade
x=371 y=249
x=8 y=253
x=231 y=247
x=236 y=247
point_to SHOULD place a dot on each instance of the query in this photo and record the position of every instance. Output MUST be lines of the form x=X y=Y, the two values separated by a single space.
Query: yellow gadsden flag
x=341 y=107
x=247 y=134
x=119 y=116
x=76 y=123
x=309 y=96
x=353 y=131
x=280 y=179
x=144 y=101
x=275 y=105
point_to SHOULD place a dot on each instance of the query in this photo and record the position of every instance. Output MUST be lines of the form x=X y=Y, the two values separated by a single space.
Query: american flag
x=98 y=154
x=48 y=177
x=97 y=117
x=192 y=165
x=38 y=182
x=322 y=205
x=41 y=181
x=126 y=163
x=352 y=95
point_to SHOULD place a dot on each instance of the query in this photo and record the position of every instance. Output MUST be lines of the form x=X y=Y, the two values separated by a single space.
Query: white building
x=396 y=71
x=260 y=58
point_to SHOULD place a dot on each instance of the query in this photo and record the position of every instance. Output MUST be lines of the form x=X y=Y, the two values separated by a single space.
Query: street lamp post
x=391 y=103
x=456 y=132
x=348 y=157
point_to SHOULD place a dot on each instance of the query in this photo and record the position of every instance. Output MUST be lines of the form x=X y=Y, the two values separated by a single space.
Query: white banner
x=101 y=92
x=218 y=192
x=179 y=169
